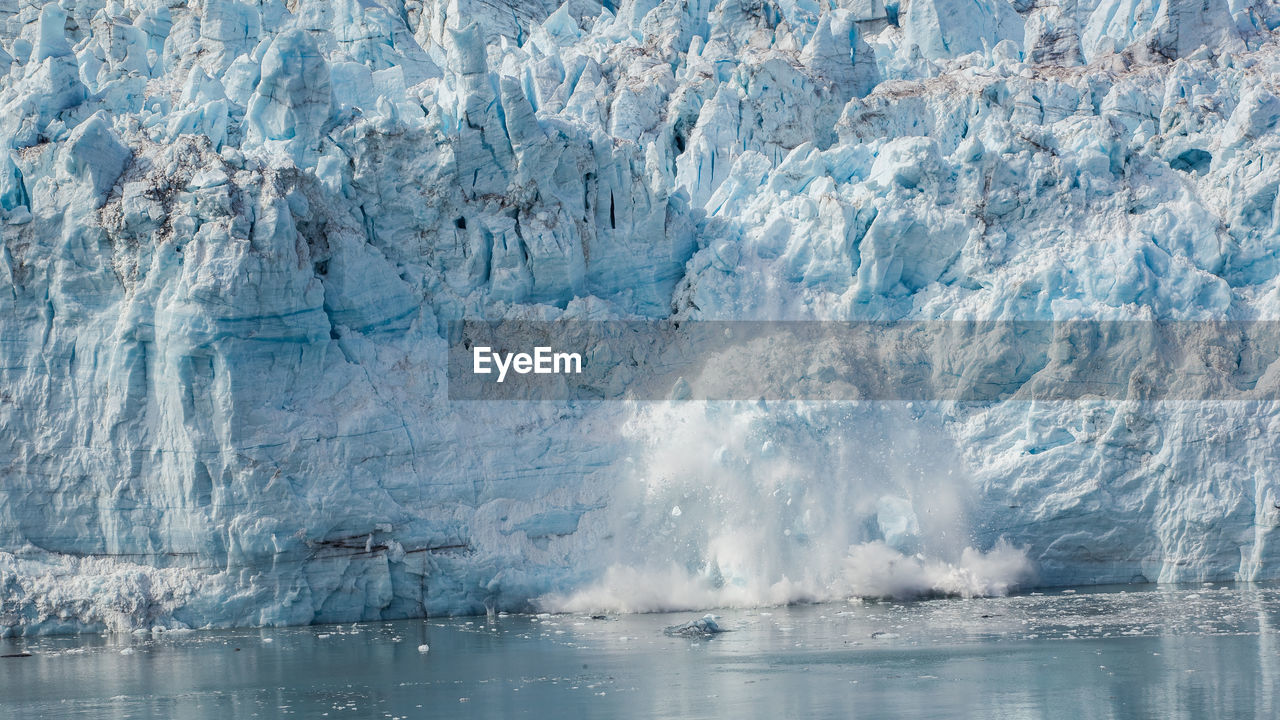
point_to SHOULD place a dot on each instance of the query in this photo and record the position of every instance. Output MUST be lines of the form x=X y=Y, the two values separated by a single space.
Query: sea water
x=1139 y=651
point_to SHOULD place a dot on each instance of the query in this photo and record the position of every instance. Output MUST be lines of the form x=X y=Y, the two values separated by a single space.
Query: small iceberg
x=702 y=627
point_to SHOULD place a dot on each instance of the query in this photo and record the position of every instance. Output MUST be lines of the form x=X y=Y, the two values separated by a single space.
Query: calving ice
x=542 y=361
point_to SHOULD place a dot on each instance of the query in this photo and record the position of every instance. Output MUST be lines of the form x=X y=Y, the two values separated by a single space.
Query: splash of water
x=743 y=504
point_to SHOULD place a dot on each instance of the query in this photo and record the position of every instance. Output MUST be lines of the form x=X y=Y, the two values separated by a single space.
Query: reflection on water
x=1177 y=653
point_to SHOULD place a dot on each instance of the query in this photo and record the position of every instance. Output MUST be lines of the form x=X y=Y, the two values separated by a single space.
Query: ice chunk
x=950 y=28
x=228 y=28
x=704 y=626
x=13 y=193
x=293 y=98
x=1166 y=29
x=52 y=41
x=95 y=157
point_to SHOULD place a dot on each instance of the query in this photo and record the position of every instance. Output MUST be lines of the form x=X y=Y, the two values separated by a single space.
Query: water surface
x=1187 y=652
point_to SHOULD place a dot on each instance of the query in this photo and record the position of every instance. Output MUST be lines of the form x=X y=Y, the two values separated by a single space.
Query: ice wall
x=233 y=233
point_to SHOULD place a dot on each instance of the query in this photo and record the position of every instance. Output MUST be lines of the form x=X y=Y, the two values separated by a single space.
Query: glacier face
x=234 y=233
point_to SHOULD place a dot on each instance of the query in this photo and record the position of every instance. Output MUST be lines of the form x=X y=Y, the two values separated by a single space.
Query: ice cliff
x=234 y=234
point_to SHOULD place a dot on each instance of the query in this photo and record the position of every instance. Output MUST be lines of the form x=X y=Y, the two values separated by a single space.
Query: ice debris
x=701 y=627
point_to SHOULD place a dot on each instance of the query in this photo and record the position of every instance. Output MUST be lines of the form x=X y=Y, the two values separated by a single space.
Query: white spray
x=748 y=504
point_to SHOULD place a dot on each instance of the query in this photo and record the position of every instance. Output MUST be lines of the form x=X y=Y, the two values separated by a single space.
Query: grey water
x=1135 y=652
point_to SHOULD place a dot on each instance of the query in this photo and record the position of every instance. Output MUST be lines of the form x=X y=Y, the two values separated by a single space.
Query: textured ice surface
x=233 y=232
x=702 y=627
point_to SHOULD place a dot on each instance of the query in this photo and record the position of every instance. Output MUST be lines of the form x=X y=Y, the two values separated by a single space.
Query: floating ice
x=702 y=627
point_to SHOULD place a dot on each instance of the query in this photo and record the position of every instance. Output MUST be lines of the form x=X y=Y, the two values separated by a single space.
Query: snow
x=235 y=235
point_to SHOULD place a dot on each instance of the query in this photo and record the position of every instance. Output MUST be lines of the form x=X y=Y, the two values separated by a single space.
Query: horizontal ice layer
x=234 y=234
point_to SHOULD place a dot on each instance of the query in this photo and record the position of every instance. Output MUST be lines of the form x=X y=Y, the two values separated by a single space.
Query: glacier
x=235 y=233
